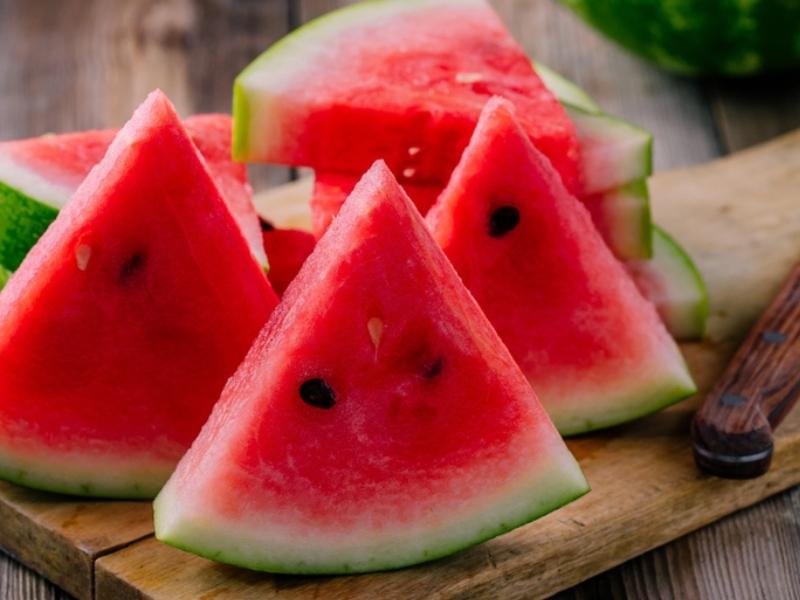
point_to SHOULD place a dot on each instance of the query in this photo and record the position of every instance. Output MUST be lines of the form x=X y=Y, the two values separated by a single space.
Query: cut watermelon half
x=672 y=282
x=39 y=175
x=592 y=347
x=377 y=422
x=288 y=249
x=380 y=80
x=121 y=326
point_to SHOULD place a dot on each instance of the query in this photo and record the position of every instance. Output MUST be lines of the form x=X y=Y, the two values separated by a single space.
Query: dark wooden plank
x=749 y=111
x=79 y=64
x=20 y=583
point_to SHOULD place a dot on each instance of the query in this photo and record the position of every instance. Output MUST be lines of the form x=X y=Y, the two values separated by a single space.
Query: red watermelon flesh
x=123 y=323
x=400 y=80
x=287 y=249
x=378 y=420
x=48 y=169
x=592 y=347
x=331 y=190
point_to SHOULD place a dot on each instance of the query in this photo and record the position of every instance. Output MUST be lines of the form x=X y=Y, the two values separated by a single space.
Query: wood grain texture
x=20 y=583
x=80 y=65
x=646 y=488
x=61 y=538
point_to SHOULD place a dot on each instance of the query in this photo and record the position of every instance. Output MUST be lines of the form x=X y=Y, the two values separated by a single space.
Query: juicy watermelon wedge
x=380 y=80
x=123 y=323
x=672 y=282
x=377 y=422
x=288 y=249
x=39 y=175
x=593 y=348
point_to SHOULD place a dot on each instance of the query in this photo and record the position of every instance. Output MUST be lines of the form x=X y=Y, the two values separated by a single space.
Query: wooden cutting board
x=740 y=219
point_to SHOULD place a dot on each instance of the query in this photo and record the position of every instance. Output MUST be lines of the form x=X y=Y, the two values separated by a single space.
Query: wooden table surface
x=77 y=64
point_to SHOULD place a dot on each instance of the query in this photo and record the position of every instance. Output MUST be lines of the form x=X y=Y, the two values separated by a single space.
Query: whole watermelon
x=716 y=37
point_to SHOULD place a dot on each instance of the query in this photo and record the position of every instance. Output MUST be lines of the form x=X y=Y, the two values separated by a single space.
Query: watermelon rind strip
x=689 y=323
x=221 y=542
x=86 y=476
x=22 y=222
x=653 y=397
x=5 y=275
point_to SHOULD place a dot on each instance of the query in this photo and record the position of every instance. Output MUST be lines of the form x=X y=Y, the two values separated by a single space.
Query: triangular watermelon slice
x=39 y=175
x=123 y=323
x=593 y=348
x=402 y=80
x=378 y=420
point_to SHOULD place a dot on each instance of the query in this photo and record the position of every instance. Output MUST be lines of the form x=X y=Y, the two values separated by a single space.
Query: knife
x=732 y=431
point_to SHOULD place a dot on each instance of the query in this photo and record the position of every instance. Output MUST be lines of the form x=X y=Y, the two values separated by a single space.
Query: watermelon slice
x=593 y=348
x=288 y=249
x=123 y=323
x=39 y=175
x=672 y=282
x=379 y=420
x=385 y=70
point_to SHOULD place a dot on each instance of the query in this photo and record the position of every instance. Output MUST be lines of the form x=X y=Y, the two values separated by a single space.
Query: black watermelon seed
x=131 y=266
x=502 y=220
x=433 y=368
x=316 y=392
x=266 y=225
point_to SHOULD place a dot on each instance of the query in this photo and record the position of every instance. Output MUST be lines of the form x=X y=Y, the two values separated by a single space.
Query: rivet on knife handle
x=732 y=431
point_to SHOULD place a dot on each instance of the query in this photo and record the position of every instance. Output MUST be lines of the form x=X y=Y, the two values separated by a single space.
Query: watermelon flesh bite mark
x=385 y=70
x=592 y=347
x=121 y=326
x=377 y=422
x=39 y=175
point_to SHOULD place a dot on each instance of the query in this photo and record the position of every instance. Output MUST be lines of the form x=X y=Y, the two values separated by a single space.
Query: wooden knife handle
x=732 y=431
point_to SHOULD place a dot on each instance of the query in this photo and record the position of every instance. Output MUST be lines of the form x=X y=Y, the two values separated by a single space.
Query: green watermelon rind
x=200 y=543
x=733 y=38
x=22 y=221
x=5 y=275
x=659 y=396
x=626 y=210
x=632 y=150
x=687 y=321
x=79 y=484
x=566 y=92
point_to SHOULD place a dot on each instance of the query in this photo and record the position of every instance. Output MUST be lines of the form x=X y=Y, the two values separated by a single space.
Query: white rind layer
x=183 y=519
x=27 y=181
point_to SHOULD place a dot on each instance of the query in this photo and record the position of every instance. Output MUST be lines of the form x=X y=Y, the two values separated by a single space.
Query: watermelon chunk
x=39 y=175
x=672 y=282
x=622 y=216
x=121 y=326
x=385 y=70
x=378 y=421
x=288 y=249
x=593 y=348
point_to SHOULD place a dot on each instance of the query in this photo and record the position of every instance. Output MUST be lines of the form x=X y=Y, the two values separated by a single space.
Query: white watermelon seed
x=375 y=328
x=409 y=172
x=83 y=252
x=468 y=77
x=413 y=151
